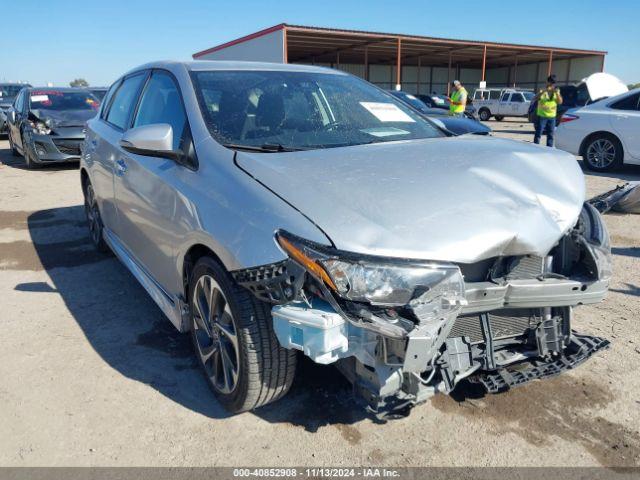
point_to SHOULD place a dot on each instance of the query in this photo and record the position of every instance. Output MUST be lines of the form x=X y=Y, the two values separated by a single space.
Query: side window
x=517 y=97
x=107 y=99
x=494 y=94
x=630 y=102
x=19 y=103
x=505 y=97
x=124 y=101
x=161 y=103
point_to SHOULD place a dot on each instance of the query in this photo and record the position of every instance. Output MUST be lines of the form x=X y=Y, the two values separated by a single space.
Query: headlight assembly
x=429 y=288
x=39 y=127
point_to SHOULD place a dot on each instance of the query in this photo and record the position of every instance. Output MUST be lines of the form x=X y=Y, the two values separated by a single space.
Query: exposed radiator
x=504 y=324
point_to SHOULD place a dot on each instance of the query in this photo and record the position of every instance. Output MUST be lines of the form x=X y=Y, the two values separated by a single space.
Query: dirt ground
x=92 y=374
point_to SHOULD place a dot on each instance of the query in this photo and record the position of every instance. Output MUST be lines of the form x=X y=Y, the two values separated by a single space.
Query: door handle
x=121 y=167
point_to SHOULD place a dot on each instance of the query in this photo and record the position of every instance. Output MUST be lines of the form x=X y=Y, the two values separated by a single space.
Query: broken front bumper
x=506 y=335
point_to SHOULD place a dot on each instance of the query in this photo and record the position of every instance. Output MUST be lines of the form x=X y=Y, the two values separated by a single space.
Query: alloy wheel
x=601 y=153
x=215 y=334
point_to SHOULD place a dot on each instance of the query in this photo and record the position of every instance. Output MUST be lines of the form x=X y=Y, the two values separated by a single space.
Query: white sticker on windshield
x=385 y=131
x=387 y=112
x=40 y=98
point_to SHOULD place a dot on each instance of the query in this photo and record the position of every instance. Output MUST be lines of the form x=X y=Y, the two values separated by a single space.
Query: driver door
x=148 y=201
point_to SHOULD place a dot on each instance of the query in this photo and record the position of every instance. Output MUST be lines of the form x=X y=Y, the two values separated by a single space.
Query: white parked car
x=606 y=133
x=500 y=103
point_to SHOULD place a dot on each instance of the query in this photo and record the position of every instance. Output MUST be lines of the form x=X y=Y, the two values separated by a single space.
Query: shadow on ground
x=131 y=334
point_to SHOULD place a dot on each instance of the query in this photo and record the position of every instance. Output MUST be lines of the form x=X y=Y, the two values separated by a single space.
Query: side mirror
x=11 y=115
x=151 y=140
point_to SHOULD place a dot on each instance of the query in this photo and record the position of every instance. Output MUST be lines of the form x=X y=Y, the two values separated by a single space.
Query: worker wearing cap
x=458 y=99
x=548 y=101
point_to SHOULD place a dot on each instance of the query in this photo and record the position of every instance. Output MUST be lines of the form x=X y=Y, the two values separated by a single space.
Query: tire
x=236 y=347
x=602 y=152
x=92 y=212
x=14 y=152
x=499 y=118
x=28 y=161
x=484 y=114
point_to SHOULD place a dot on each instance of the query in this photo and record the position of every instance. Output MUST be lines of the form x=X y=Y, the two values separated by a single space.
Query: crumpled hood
x=65 y=118
x=458 y=199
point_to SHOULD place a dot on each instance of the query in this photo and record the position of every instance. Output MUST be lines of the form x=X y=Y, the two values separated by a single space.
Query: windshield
x=10 y=90
x=528 y=96
x=60 y=100
x=302 y=110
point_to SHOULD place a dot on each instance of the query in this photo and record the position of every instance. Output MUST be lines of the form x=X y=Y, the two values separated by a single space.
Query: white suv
x=500 y=103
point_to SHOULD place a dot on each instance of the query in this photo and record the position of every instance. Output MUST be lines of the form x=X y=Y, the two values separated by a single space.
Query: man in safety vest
x=548 y=101
x=458 y=99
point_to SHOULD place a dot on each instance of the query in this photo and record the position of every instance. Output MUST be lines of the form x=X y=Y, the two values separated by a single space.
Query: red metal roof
x=302 y=29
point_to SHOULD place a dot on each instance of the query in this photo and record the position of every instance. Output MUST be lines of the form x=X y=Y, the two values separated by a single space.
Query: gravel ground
x=92 y=374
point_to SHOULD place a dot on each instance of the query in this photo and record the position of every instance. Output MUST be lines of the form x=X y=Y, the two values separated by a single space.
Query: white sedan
x=606 y=133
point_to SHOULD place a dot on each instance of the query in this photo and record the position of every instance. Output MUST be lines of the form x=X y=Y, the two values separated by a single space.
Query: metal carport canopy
x=305 y=44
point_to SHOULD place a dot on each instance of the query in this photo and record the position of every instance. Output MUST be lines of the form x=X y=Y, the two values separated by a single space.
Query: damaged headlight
x=597 y=241
x=430 y=289
x=39 y=127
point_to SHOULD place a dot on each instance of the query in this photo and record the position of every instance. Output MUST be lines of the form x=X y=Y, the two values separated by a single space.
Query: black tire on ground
x=14 y=152
x=499 y=118
x=92 y=212
x=243 y=331
x=484 y=114
x=602 y=152
x=28 y=161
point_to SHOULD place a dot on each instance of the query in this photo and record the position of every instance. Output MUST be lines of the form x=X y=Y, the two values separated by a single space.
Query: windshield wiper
x=267 y=147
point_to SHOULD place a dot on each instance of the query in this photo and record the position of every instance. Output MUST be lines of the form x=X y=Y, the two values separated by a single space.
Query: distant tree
x=79 y=82
x=633 y=85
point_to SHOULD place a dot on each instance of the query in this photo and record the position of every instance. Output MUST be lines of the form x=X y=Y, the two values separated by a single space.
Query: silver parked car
x=270 y=209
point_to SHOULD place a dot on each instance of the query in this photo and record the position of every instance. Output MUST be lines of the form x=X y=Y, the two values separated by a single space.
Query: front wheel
x=14 y=151
x=232 y=333
x=602 y=152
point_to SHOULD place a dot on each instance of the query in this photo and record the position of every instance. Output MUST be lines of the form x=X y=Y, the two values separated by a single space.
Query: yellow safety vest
x=456 y=109
x=547 y=105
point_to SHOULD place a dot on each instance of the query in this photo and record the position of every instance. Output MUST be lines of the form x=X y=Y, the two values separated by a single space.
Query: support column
x=484 y=63
x=285 y=46
x=515 y=71
x=535 y=86
x=449 y=76
x=399 y=65
x=366 y=63
x=568 y=72
x=550 y=62
x=430 y=80
x=418 y=73
x=602 y=64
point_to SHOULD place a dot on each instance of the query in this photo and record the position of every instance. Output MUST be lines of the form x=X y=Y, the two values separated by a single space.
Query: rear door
x=625 y=120
x=149 y=204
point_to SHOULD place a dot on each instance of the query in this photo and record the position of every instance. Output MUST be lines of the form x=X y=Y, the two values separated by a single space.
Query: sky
x=59 y=40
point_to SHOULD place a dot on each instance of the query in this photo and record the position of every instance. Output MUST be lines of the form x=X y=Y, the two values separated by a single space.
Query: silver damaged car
x=275 y=209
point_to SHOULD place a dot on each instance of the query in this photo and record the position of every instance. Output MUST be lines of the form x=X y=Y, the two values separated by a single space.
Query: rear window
x=124 y=100
x=630 y=102
x=60 y=100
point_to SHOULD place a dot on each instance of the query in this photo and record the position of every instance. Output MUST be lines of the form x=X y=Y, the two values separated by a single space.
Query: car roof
x=212 y=65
